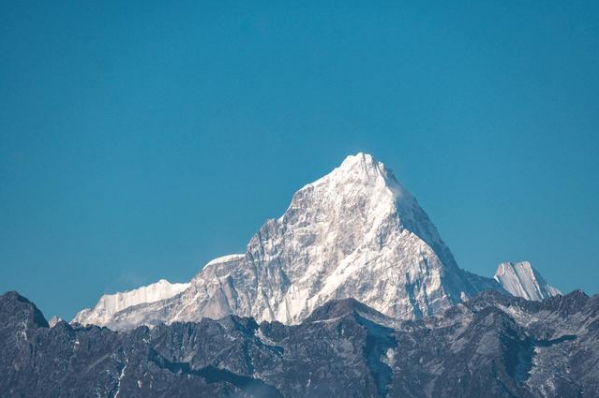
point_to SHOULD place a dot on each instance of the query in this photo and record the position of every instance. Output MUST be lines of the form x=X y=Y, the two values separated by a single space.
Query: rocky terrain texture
x=355 y=233
x=493 y=345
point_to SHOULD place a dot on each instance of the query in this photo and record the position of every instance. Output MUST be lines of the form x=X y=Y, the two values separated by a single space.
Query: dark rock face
x=491 y=346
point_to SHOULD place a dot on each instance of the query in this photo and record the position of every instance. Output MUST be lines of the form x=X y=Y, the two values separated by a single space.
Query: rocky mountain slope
x=494 y=344
x=357 y=232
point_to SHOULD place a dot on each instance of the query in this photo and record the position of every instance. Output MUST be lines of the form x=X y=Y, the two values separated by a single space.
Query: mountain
x=494 y=343
x=110 y=304
x=522 y=280
x=54 y=320
x=356 y=232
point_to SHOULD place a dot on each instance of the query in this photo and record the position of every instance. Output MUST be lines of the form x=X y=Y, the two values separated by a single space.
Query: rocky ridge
x=496 y=343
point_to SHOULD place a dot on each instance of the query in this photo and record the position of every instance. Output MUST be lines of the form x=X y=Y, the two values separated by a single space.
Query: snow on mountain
x=356 y=232
x=522 y=280
x=54 y=320
x=110 y=304
x=231 y=258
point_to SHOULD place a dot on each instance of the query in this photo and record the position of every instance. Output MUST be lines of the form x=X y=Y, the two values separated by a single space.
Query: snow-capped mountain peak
x=361 y=164
x=354 y=233
x=365 y=192
x=521 y=280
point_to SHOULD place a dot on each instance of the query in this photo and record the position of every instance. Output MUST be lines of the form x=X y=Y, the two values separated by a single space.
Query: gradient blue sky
x=138 y=140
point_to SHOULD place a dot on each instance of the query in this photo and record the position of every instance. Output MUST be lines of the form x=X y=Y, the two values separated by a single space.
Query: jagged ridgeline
x=493 y=345
x=355 y=233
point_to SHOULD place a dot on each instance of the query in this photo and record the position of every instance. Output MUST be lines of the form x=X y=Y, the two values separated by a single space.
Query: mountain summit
x=522 y=280
x=354 y=233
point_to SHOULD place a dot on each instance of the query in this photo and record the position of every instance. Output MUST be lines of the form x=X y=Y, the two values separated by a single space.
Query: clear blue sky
x=138 y=140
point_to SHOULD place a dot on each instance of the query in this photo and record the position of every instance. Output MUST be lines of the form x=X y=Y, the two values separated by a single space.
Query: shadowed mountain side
x=505 y=346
